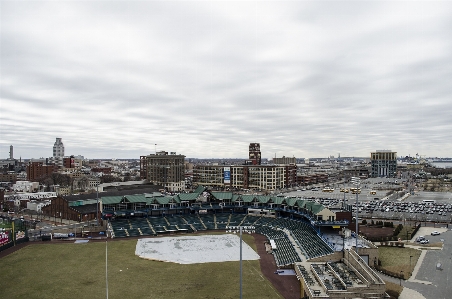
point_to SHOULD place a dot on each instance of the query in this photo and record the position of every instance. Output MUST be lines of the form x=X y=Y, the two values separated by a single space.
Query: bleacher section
x=209 y=221
x=159 y=224
x=306 y=237
x=194 y=221
x=295 y=240
x=222 y=220
x=119 y=227
x=179 y=223
x=312 y=243
x=237 y=219
x=284 y=253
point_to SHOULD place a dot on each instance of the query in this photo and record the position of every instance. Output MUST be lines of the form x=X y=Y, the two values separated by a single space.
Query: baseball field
x=68 y=270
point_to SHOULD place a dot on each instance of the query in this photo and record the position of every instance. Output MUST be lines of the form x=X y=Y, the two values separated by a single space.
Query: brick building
x=37 y=170
x=164 y=169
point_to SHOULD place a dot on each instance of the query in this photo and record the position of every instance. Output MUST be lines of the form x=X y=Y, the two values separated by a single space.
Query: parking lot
x=400 y=206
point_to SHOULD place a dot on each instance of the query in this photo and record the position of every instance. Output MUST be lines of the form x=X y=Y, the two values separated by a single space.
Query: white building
x=25 y=186
x=37 y=205
x=58 y=148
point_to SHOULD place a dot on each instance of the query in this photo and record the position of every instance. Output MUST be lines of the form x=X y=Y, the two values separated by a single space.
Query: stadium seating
x=287 y=233
x=222 y=220
x=194 y=221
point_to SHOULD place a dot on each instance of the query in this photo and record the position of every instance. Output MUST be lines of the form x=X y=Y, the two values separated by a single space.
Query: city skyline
x=205 y=79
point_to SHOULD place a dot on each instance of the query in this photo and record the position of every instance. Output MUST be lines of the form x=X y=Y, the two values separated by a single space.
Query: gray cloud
x=206 y=78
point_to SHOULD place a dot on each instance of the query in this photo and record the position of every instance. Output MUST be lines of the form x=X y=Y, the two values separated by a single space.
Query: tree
x=46 y=182
x=83 y=183
x=108 y=178
x=55 y=179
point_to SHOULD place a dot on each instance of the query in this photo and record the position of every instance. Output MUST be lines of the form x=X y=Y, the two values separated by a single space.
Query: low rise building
x=8 y=177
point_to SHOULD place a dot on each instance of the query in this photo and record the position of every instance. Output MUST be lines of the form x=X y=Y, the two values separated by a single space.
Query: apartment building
x=260 y=177
x=37 y=170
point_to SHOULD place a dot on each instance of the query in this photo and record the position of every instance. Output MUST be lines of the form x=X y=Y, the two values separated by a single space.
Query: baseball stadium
x=189 y=245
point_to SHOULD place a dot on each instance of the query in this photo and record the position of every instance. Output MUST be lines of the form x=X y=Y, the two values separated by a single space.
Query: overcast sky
x=206 y=78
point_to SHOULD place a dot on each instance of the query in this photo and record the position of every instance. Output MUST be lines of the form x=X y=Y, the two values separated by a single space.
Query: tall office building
x=384 y=163
x=167 y=170
x=58 y=153
x=58 y=148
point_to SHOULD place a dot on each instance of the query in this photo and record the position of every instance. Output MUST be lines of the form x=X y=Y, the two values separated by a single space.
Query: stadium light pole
x=240 y=262
x=106 y=265
x=97 y=203
x=240 y=230
x=344 y=190
x=355 y=181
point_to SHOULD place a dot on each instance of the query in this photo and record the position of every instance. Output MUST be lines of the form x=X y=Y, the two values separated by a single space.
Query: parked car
x=435 y=233
x=425 y=241
x=420 y=238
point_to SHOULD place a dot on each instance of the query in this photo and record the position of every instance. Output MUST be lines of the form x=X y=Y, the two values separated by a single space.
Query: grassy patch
x=396 y=259
x=405 y=233
x=393 y=289
x=78 y=271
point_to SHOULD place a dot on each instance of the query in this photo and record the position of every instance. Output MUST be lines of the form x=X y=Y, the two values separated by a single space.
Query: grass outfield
x=71 y=270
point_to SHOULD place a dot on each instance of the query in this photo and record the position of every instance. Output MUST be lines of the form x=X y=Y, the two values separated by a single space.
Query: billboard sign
x=227 y=175
x=4 y=238
x=20 y=235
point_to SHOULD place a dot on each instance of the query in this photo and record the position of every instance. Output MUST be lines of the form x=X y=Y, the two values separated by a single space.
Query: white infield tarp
x=195 y=249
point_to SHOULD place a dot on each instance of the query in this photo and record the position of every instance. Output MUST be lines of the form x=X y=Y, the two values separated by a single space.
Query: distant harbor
x=442 y=164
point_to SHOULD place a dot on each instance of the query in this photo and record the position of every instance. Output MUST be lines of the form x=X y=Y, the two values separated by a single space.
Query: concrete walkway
x=410 y=294
x=416 y=269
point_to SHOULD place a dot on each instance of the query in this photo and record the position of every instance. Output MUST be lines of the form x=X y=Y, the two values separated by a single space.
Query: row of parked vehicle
x=409 y=207
x=423 y=240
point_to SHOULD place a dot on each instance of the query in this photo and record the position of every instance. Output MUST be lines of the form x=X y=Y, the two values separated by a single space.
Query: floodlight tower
x=356 y=182
x=240 y=228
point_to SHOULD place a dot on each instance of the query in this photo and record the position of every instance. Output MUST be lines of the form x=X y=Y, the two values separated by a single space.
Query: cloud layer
x=206 y=78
